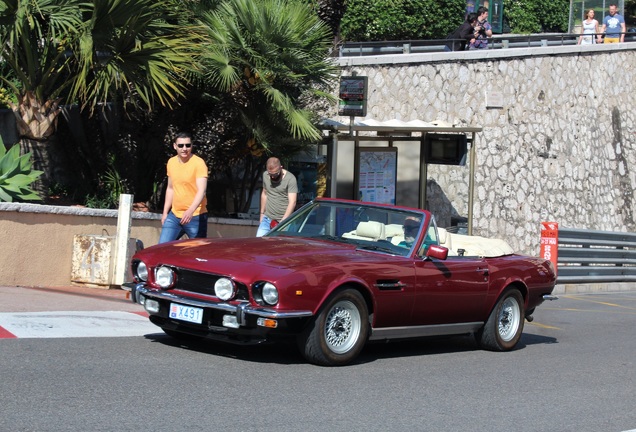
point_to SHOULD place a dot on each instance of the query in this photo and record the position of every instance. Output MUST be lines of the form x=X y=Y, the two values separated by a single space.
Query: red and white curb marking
x=74 y=324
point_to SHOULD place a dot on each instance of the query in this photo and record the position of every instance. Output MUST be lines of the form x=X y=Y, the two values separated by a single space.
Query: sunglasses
x=274 y=175
x=186 y=145
x=410 y=228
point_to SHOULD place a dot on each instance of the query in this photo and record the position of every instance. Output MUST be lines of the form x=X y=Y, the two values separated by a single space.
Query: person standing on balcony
x=483 y=30
x=184 y=210
x=278 y=198
x=589 y=29
x=463 y=35
x=613 y=26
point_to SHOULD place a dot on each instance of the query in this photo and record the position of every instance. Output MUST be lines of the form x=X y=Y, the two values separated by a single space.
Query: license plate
x=186 y=313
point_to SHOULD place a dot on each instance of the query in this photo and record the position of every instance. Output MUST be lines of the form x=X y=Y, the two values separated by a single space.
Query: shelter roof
x=395 y=126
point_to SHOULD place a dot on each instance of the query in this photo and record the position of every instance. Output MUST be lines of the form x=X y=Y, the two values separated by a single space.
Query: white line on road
x=74 y=324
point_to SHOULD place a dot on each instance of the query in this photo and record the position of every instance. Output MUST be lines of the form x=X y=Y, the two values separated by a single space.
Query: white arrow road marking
x=74 y=324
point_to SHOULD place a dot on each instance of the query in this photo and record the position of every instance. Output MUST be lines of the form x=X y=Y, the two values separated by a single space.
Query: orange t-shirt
x=184 y=183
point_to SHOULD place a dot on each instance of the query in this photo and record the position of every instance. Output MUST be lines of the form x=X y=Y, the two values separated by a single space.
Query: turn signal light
x=266 y=322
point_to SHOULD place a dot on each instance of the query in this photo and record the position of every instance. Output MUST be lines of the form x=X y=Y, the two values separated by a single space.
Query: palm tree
x=331 y=12
x=266 y=61
x=91 y=53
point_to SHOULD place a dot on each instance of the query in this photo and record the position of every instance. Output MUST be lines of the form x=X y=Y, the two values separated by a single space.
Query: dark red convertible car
x=337 y=274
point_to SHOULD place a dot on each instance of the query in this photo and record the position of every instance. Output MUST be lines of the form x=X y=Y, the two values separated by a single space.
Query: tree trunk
x=37 y=122
x=41 y=155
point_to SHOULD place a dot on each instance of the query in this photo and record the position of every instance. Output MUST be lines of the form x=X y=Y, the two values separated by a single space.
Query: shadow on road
x=287 y=353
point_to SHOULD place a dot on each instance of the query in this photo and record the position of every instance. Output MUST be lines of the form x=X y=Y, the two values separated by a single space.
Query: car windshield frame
x=368 y=226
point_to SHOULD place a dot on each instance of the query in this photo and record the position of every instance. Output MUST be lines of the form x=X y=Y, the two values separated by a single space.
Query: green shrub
x=16 y=175
x=111 y=186
x=6 y=97
x=376 y=20
x=535 y=16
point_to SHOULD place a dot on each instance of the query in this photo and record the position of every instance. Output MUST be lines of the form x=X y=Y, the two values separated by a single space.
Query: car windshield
x=369 y=227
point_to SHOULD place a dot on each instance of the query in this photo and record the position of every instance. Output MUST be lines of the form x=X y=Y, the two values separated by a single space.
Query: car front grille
x=203 y=283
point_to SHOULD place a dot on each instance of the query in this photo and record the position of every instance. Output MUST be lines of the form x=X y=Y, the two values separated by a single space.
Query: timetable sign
x=353 y=96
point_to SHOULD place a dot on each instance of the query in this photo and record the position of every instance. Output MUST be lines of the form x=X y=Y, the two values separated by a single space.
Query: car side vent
x=389 y=285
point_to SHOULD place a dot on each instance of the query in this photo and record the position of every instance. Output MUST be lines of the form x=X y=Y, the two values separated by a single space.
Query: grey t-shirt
x=277 y=199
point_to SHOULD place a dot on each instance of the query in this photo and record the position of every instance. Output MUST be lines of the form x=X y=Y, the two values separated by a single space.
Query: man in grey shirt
x=278 y=198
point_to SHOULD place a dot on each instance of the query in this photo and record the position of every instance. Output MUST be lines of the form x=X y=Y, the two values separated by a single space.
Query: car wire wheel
x=342 y=327
x=504 y=326
x=509 y=318
x=337 y=334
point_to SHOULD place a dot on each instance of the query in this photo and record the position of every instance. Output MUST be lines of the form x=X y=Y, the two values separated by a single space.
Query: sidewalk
x=72 y=298
x=69 y=312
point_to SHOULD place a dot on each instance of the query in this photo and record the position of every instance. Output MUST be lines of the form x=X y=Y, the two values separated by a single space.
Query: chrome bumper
x=549 y=297
x=139 y=292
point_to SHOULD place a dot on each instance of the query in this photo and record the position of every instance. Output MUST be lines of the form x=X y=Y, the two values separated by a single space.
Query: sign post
x=550 y=242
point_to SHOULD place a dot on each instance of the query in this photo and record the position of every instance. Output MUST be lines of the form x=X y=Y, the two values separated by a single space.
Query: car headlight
x=224 y=289
x=141 y=271
x=164 y=277
x=270 y=294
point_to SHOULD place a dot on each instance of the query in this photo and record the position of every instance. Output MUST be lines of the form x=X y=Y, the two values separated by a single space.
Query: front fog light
x=224 y=289
x=164 y=277
x=151 y=306
x=270 y=294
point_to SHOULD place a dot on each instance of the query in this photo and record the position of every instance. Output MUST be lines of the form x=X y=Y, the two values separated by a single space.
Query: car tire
x=338 y=333
x=503 y=329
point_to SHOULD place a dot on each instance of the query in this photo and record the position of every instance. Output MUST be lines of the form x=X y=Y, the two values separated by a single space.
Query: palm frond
x=274 y=48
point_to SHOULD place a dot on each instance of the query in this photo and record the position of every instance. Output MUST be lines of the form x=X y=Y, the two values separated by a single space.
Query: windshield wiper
x=330 y=237
x=378 y=248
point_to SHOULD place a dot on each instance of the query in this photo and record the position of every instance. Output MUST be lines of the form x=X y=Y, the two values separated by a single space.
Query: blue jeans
x=264 y=227
x=172 y=228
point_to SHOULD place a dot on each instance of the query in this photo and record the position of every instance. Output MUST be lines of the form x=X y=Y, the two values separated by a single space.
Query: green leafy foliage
x=6 y=97
x=16 y=175
x=266 y=62
x=375 y=20
x=110 y=186
x=330 y=11
x=268 y=54
x=535 y=16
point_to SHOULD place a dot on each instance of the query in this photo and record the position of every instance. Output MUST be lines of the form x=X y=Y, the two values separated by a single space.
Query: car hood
x=274 y=252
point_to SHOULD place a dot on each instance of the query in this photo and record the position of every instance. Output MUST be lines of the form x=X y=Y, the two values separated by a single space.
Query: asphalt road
x=573 y=371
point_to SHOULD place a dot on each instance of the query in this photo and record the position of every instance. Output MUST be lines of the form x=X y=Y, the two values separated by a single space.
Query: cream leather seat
x=395 y=232
x=370 y=230
x=446 y=240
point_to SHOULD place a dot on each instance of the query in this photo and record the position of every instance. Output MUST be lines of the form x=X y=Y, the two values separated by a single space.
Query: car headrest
x=443 y=235
x=371 y=229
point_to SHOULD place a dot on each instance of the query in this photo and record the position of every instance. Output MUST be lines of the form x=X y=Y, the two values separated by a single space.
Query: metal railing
x=351 y=49
x=587 y=256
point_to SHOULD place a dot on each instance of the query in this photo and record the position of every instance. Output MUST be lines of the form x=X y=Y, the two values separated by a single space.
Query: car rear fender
x=511 y=283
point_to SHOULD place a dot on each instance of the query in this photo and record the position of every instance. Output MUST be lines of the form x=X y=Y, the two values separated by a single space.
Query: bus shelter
x=389 y=162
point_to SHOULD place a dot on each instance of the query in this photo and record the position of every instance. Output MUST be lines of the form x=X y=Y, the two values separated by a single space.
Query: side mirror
x=438 y=252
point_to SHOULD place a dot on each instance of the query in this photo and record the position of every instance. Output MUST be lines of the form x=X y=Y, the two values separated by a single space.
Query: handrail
x=349 y=49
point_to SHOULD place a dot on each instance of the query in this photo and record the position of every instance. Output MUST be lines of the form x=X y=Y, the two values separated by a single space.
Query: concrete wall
x=37 y=240
x=558 y=132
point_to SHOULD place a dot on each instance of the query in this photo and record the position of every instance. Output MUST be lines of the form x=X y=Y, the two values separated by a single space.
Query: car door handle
x=482 y=270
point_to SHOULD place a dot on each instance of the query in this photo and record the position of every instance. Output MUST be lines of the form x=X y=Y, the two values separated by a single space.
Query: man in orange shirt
x=184 y=211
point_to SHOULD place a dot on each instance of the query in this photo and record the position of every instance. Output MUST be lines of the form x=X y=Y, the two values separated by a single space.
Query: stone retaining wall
x=561 y=148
